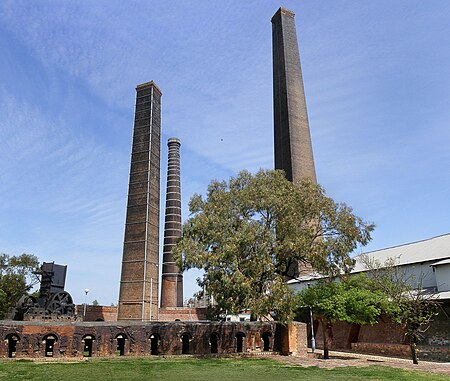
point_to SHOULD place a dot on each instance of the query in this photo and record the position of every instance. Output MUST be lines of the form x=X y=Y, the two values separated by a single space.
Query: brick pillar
x=138 y=299
x=172 y=279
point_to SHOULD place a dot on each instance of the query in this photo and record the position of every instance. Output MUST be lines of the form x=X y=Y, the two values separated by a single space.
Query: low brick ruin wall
x=123 y=338
x=96 y=313
x=181 y=313
x=388 y=339
x=109 y=313
x=383 y=349
x=426 y=352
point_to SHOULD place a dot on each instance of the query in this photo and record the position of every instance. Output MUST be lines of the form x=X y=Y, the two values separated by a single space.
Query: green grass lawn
x=196 y=370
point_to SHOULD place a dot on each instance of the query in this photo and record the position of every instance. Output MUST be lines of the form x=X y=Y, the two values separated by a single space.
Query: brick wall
x=384 y=349
x=389 y=339
x=180 y=313
x=293 y=339
x=109 y=313
x=78 y=339
x=96 y=313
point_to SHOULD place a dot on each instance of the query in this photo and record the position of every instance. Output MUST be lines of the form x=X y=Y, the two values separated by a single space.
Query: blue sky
x=377 y=81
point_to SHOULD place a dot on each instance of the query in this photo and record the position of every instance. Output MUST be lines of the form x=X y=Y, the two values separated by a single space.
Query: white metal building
x=428 y=260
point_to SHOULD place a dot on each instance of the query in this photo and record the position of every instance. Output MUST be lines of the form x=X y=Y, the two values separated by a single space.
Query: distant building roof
x=427 y=250
x=432 y=249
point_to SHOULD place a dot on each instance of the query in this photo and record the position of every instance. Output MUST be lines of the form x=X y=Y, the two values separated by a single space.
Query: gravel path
x=338 y=359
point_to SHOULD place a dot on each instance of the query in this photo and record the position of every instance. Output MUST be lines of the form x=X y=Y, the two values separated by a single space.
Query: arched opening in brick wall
x=155 y=341
x=11 y=341
x=49 y=341
x=266 y=341
x=185 y=341
x=240 y=336
x=214 y=342
x=120 y=347
x=88 y=341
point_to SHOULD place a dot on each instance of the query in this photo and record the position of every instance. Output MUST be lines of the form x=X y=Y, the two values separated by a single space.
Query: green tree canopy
x=16 y=278
x=249 y=231
x=351 y=299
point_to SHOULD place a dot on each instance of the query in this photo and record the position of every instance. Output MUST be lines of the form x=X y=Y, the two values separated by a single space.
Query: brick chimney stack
x=292 y=138
x=293 y=148
x=172 y=279
x=138 y=298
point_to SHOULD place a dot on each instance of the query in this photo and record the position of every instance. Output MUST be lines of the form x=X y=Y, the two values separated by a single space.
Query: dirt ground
x=338 y=359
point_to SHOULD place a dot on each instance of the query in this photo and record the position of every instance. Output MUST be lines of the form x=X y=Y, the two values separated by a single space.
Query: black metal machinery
x=52 y=301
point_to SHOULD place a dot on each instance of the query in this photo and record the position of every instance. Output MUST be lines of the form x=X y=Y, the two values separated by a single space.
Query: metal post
x=313 y=341
x=151 y=297
x=86 y=290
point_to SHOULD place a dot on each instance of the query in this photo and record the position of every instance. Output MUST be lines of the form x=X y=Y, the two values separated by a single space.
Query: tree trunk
x=353 y=335
x=414 y=355
x=327 y=339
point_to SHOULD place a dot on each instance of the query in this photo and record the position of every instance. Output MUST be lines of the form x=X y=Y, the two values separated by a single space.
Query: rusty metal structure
x=52 y=302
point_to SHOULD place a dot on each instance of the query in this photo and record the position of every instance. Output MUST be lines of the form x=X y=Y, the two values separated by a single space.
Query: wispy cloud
x=61 y=179
x=377 y=87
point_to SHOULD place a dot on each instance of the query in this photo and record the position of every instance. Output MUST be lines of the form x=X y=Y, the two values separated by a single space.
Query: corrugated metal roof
x=427 y=250
x=444 y=262
x=432 y=249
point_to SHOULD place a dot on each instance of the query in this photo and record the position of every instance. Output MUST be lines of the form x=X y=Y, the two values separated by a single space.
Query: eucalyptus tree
x=249 y=232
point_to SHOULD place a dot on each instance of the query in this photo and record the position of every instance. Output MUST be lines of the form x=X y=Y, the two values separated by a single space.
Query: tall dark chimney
x=292 y=138
x=172 y=279
x=293 y=149
x=138 y=299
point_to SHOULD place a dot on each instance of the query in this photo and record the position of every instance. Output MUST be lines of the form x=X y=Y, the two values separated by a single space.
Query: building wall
x=420 y=274
x=442 y=274
x=139 y=339
x=243 y=316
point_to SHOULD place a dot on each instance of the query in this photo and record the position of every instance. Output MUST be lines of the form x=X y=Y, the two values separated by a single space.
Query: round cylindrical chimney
x=172 y=279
